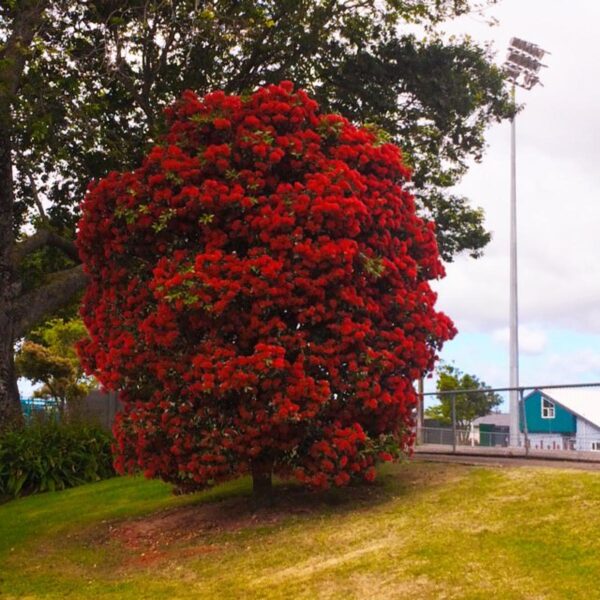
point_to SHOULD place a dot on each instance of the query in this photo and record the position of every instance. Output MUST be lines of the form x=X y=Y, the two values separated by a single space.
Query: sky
x=558 y=185
x=558 y=213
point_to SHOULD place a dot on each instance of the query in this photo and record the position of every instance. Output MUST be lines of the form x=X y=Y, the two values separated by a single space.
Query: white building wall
x=586 y=434
x=546 y=441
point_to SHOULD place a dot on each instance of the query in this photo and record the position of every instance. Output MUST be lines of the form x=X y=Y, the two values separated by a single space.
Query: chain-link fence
x=560 y=419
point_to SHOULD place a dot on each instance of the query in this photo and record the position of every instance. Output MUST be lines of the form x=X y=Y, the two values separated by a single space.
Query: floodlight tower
x=522 y=66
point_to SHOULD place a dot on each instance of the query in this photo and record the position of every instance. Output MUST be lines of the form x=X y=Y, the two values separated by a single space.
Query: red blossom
x=221 y=123
x=259 y=291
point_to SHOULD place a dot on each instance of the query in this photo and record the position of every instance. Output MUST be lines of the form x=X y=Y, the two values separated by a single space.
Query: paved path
x=505 y=461
x=577 y=456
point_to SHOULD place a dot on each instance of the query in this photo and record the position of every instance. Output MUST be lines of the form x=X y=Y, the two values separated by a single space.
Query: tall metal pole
x=522 y=67
x=515 y=437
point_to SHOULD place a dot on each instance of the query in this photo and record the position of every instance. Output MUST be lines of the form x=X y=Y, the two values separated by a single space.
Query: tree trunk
x=19 y=312
x=10 y=404
x=262 y=481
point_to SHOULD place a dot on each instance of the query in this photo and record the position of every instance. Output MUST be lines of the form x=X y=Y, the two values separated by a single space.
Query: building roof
x=584 y=402
x=498 y=419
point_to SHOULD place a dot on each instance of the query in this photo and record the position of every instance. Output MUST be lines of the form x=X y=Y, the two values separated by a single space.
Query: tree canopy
x=83 y=86
x=49 y=357
x=99 y=75
x=469 y=394
x=259 y=295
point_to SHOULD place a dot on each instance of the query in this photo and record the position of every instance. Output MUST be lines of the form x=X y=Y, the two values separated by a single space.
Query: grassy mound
x=423 y=531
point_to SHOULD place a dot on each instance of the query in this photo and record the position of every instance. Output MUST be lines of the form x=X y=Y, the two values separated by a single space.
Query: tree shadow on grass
x=214 y=514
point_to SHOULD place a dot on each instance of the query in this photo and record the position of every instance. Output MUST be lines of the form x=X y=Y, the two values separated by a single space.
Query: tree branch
x=13 y=53
x=44 y=237
x=36 y=197
x=33 y=306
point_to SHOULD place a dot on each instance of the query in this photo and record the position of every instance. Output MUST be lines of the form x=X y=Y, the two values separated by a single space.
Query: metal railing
x=552 y=418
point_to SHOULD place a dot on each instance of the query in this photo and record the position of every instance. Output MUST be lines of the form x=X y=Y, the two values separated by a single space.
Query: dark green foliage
x=435 y=98
x=48 y=456
x=100 y=74
x=83 y=86
x=471 y=397
x=48 y=356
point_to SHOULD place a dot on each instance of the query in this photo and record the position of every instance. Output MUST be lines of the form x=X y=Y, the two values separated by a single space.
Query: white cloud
x=558 y=196
x=558 y=249
x=558 y=366
x=576 y=363
x=558 y=181
x=531 y=341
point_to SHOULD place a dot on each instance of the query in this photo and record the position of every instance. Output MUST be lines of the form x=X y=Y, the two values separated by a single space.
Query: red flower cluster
x=259 y=294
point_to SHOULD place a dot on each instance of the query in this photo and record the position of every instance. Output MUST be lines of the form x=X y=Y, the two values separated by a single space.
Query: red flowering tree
x=259 y=295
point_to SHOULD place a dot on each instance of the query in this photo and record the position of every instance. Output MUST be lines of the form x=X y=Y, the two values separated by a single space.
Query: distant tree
x=83 y=85
x=259 y=294
x=469 y=406
x=48 y=357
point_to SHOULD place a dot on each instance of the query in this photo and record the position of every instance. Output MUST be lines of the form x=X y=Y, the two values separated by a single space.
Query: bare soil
x=195 y=530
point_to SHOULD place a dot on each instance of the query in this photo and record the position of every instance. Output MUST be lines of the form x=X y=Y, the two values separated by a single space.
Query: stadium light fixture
x=522 y=68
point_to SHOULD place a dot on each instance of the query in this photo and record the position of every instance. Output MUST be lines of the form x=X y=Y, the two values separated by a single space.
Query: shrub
x=259 y=294
x=48 y=456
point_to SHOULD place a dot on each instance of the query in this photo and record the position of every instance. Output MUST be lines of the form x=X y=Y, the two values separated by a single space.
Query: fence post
x=420 y=410
x=524 y=414
x=454 y=423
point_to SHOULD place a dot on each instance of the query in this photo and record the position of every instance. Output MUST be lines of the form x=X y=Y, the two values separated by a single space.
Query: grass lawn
x=423 y=531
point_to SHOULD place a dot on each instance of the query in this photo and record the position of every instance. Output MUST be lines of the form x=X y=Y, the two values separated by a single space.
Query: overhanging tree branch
x=13 y=52
x=36 y=197
x=33 y=306
x=44 y=237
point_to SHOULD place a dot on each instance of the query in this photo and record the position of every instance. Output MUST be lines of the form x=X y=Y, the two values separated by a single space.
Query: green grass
x=424 y=531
